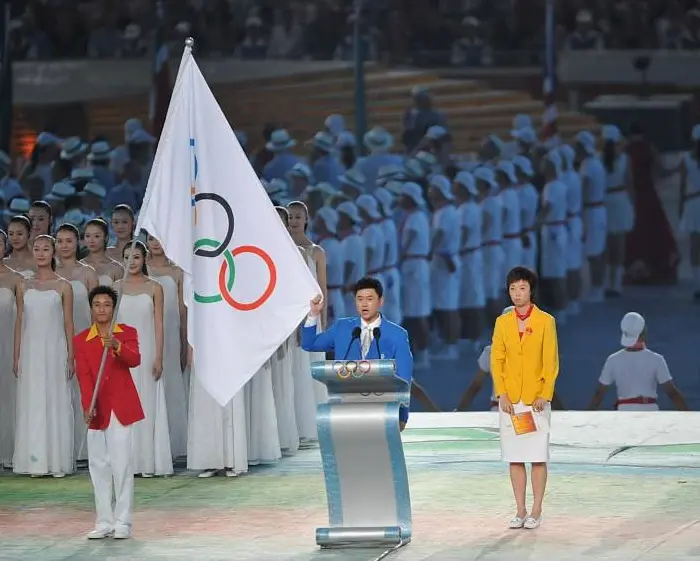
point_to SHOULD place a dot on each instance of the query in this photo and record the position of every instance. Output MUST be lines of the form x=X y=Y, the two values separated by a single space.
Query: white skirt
x=690 y=221
x=525 y=448
x=596 y=226
x=620 y=212
x=444 y=285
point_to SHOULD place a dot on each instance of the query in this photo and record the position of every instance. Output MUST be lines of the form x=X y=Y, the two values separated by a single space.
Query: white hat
x=522 y=121
x=632 y=325
x=507 y=168
x=584 y=16
x=370 y=205
x=413 y=191
x=436 y=132
x=93 y=188
x=611 y=132
x=470 y=21
x=378 y=139
x=385 y=173
x=587 y=141
x=253 y=21
x=82 y=173
x=526 y=135
x=335 y=124
x=467 y=180
x=554 y=157
x=420 y=91
x=100 y=151
x=140 y=136
x=325 y=188
x=524 y=164
x=329 y=217
x=353 y=178
x=696 y=132
x=51 y=198
x=19 y=205
x=495 y=140
x=62 y=189
x=300 y=169
x=132 y=31
x=394 y=187
x=486 y=174
x=427 y=160
x=413 y=169
x=280 y=140
x=324 y=141
x=442 y=184
x=72 y=147
x=568 y=154
x=275 y=187
x=346 y=140
x=385 y=198
x=130 y=127
x=349 y=209
x=47 y=139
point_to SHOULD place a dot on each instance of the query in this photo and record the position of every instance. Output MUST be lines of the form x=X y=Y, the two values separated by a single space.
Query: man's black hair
x=369 y=283
x=102 y=289
x=522 y=274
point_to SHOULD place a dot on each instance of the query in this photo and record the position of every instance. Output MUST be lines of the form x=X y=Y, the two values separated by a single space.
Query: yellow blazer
x=525 y=369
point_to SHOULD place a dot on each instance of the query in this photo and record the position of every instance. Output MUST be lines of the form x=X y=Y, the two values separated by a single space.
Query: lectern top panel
x=358 y=376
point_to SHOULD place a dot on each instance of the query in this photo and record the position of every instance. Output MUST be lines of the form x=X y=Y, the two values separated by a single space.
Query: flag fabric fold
x=246 y=285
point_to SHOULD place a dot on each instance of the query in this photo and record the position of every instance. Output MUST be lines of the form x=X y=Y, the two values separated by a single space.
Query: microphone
x=377 y=333
x=355 y=335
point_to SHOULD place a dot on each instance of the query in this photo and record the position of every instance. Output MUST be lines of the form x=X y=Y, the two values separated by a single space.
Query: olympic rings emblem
x=227 y=272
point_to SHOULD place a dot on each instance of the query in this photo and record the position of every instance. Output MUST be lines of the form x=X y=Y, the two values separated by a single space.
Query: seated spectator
x=691 y=35
x=345 y=50
x=471 y=49
x=254 y=45
x=585 y=37
x=286 y=37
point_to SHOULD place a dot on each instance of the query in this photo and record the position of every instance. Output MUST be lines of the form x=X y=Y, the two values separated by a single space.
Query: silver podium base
x=329 y=538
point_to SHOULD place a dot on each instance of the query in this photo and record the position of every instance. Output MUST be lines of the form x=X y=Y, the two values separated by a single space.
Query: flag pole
x=189 y=42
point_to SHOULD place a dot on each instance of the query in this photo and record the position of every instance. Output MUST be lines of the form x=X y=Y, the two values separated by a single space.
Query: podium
x=369 y=504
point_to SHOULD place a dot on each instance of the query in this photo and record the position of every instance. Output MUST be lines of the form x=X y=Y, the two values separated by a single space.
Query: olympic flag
x=246 y=285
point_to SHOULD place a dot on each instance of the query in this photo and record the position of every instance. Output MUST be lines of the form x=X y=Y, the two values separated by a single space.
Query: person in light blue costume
x=341 y=338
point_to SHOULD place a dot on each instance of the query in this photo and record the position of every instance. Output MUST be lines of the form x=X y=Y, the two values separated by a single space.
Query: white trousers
x=110 y=462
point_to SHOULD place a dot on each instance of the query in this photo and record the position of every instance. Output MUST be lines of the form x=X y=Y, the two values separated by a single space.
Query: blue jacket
x=393 y=344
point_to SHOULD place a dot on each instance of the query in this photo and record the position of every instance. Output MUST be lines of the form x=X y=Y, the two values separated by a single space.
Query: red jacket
x=117 y=391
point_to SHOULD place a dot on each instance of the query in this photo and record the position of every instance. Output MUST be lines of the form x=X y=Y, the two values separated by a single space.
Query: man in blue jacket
x=342 y=337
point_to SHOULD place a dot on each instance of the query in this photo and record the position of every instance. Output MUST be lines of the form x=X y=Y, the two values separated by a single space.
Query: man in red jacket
x=116 y=409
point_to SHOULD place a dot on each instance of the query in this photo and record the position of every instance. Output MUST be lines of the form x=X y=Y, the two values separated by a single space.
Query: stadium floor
x=635 y=509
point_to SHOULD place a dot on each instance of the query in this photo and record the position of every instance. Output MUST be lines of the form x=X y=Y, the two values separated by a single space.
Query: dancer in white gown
x=10 y=287
x=141 y=307
x=123 y=222
x=283 y=384
x=174 y=344
x=44 y=430
x=217 y=439
x=307 y=391
x=96 y=237
x=83 y=279
x=21 y=259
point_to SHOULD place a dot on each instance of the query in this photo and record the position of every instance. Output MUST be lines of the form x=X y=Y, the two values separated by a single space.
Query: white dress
x=44 y=430
x=690 y=221
x=8 y=386
x=620 y=211
x=150 y=441
x=261 y=418
x=216 y=436
x=175 y=397
x=283 y=390
x=81 y=320
x=105 y=280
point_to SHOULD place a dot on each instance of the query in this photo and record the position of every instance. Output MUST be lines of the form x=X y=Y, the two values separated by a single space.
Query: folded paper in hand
x=524 y=423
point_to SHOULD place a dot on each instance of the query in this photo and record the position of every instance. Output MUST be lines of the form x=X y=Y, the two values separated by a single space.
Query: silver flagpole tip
x=189 y=42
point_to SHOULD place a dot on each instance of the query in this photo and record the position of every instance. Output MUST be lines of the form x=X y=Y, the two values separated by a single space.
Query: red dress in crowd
x=652 y=251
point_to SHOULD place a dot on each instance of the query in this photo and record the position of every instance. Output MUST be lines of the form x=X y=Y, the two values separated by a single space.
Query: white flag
x=247 y=286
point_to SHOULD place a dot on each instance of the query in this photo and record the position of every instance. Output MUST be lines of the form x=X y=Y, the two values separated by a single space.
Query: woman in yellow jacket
x=524 y=366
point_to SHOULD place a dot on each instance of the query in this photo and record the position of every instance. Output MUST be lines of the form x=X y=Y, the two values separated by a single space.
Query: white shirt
x=511 y=214
x=391 y=240
x=373 y=236
x=492 y=207
x=593 y=170
x=635 y=373
x=353 y=247
x=692 y=167
x=447 y=221
x=573 y=193
x=484 y=362
x=617 y=177
x=335 y=262
x=529 y=199
x=416 y=222
x=554 y=195
x=367 y=334
x=471 y=220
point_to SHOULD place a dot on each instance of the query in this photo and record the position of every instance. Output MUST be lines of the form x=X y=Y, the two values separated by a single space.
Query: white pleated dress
x=261 y=418
x=8 y=383
x=283 y=391
x=44 y=430
x=81 y=321
x=150 y=438
x=217 y=436
x=173 y=380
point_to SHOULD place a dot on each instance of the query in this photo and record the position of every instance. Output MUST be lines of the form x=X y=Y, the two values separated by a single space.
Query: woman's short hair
x=522 y=274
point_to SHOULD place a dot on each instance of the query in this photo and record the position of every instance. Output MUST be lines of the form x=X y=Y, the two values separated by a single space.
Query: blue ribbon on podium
x=369 y=503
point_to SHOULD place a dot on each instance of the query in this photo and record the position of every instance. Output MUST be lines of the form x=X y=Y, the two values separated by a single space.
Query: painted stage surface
x=630 y=507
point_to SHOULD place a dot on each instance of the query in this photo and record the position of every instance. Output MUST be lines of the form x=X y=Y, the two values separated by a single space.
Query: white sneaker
x=207 y=473
x=100 y=534
x=231 y=473
x=532 y=523
x=517 y=522
x=122 y=533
